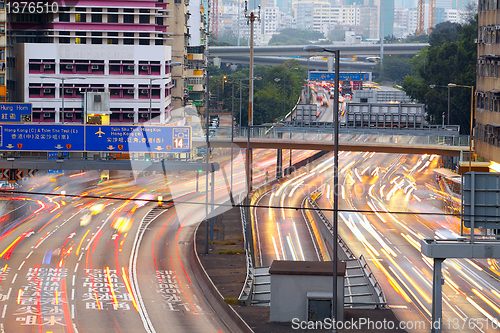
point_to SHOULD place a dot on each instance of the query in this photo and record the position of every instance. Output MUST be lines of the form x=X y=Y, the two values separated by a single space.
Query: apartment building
x=3 y=45
x=487 y=115
x=108 y=46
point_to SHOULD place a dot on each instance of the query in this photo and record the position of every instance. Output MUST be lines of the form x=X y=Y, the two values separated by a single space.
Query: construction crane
x=421 y=17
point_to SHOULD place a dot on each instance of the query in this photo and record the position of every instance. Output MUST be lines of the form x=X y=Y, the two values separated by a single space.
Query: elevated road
x=298 y=50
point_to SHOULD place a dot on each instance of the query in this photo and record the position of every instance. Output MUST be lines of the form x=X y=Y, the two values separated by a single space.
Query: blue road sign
x=55 y=171
x=15 y=112
x=330 y=76
x=42 y=137
x=138 y=138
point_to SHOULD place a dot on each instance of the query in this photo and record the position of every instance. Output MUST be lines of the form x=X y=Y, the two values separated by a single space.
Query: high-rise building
x=3 y=44
x=107 y=46
x=487 y=111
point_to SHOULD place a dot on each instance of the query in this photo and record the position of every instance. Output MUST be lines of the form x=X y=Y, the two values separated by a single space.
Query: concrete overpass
x=379 y=147
x=298 y=50
x=313 y=64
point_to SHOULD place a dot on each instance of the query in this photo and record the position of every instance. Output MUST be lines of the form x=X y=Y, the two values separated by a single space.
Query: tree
x=272 y=98
x=295 y=37
x=446 y=32
x=451 y=58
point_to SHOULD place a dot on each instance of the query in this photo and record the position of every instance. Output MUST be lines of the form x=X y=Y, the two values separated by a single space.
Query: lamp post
x=62 y=84
x=432 y=86
x=452 y=85
x=317 y=48
x=241 y=82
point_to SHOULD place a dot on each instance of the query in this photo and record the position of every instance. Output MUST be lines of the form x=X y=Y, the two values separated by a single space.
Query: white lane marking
x=29 y=254
x=98 y=230
x=80 y=257
x=4 y=310
x=72 y=294
x=298 y=241
x=8 y=293
x=21 y=265
x=276 y=248
x=14 y=279
x=74 y=276
x=132 y=269
x=72 y=311
x=291 y=248
x=76 y=267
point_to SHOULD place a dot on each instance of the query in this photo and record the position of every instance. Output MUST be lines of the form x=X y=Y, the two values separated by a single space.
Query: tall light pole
x=241 y=84
x=62 y=84
x=451 y=85
x=432 y=86
x=316 y=48
x=250 y=20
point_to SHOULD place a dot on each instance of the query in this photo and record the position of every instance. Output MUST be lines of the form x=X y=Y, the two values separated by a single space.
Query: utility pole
x=250 y=20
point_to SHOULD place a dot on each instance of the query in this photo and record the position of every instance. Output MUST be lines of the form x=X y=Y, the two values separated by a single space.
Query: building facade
x=487 y=127
x=108 y=46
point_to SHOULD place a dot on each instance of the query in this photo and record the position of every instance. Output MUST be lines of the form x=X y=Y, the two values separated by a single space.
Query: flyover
x=298 y=50
x=415 y=141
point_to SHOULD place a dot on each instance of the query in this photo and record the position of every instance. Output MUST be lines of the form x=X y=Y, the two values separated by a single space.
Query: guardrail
x=373 y=280
x=364 y=265
x=410 y=137
x=247 y=290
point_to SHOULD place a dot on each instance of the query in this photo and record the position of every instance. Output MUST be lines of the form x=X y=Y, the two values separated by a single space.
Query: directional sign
x=31 y=173
x=330 y=76
x=42 y=137
x=15 y=112
x=55 y=171
x=58 y=140
x=19 y=174
x=131 y=138
x=5 y=174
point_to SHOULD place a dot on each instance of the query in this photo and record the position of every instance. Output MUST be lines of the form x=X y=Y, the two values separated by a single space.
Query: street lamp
x=432 y=86
x=452 y=85
x=317 y=48
x=241 y=80
x=62 y=84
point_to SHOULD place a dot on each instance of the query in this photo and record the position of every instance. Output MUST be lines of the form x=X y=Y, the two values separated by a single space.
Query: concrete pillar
x=279 y=164
x=437 y=306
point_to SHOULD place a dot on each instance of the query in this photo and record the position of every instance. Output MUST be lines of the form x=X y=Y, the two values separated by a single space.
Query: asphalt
x=228 y=272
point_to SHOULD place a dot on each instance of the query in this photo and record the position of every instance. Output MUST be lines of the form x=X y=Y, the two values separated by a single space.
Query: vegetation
x=450 y=58
x=295 y=37
x=272 y=96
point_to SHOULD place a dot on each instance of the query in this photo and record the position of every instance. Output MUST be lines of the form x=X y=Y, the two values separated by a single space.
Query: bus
x=450 y=189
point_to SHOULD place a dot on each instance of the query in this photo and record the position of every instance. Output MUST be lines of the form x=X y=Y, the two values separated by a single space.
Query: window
x=142 y=39
x=64 y=40
x=96 y=18
x=63 y=16
x=144 y=18
x=112 y=18
x=96 y=40
x=128 y=18
x=128 y=38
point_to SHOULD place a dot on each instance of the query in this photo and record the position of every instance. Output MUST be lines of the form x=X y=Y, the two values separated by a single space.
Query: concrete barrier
x=226 y=313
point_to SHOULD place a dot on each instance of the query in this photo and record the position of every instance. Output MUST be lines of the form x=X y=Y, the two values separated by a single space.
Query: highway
x=389 y=241
x=113 y=262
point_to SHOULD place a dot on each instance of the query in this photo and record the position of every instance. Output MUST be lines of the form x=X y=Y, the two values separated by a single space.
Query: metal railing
x=370 y=135
x=247 y=290
x=373 y=280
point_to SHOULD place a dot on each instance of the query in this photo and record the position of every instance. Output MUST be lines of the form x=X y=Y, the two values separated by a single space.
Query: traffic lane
x=38 y=295
x=171 y=295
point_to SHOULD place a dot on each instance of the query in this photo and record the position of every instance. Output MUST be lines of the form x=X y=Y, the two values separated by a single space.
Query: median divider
x=226 y=313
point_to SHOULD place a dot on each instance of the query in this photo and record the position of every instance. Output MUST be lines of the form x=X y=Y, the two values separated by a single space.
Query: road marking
x=398 y=306
x=8 y=293
x=74 y=276
x=76 y=267
x=29 y=254
x=80 y=256
x=4 y=310
x=14 y=279
x=72 y=311
x=72 y=294
x=21 y=265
